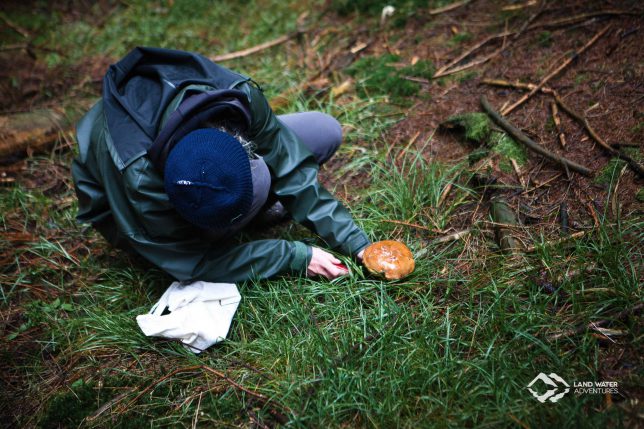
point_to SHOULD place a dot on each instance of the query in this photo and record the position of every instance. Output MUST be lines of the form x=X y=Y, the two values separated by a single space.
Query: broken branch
x=555 y=72
x=412 y=225
x=557 y=121
x=451 y=237
x=521 y=137
x=255 y=49
x=600 y=323
x=635 y=166
x=443 y=71
x=448 y=7
x=582 y=17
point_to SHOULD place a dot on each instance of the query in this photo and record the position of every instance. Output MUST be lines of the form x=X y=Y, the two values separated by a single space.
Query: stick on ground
x=579 y=18
x=556 y=71
x=521 y=137
x=255 y=49
x=468 y=52
x=600 y=323
x=445 y=70
x=557 y=121
x=634 y=165
x=448 y=7
x=412 y=225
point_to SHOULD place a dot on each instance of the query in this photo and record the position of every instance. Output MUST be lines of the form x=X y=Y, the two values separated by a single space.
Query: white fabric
x=200 y=314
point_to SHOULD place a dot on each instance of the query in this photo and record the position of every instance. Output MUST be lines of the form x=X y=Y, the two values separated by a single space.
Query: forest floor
x=455 y=344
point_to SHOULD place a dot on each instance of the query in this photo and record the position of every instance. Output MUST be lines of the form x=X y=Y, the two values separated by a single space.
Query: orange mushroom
x=390 y=258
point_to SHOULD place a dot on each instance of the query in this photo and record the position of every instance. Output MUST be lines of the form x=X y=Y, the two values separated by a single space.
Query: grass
x=353 y=351
x=370 y=7
x=378 y=76
x=453 y=345
x=609 y=173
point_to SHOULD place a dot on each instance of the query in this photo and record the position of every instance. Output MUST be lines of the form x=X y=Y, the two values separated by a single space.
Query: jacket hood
x=138 y=89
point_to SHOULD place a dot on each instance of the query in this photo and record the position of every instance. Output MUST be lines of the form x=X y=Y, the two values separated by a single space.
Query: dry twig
x=635 y=166
x=406 y=148
x=443 y=71
x=556 y=71
x=579 y=18
x=521 y=137
x=573 y=236
x=557 y=121
x=412 y=225
x=449 y=7
x=257 y=48
x=600 y=323
x=451 y=237
x=517 y=170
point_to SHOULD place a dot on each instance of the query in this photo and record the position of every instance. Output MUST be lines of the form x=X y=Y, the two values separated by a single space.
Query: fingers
x=331 y=270
x=325 y=264
x=334 y=271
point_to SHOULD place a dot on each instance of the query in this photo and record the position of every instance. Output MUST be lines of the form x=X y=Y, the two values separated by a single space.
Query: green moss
x=423 y=68
x=505 y=145
x=475 y=126
x=550 y=124
x=378 y=76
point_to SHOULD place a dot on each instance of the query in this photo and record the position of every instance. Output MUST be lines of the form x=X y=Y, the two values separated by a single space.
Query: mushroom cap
x=390 y=258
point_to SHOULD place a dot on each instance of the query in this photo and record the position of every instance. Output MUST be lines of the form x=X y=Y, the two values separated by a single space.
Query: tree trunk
x=35 y=131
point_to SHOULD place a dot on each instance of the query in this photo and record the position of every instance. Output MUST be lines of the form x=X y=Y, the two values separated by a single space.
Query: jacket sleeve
x=294 y=173
x=93 y=205
x=180 y=249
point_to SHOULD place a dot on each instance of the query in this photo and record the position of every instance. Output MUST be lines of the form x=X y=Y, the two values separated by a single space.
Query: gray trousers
x=319 y=132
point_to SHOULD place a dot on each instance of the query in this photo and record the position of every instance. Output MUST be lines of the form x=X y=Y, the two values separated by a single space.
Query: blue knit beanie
x=208 y=179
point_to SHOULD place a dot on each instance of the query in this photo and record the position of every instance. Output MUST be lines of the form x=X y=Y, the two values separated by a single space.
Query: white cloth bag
x=199 y=315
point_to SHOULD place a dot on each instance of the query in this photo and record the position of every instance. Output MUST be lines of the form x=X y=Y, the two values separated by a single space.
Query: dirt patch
x=27 y=82
x=605 y=84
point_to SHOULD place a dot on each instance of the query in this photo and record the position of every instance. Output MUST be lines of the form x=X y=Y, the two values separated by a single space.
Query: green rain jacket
x=122 y=195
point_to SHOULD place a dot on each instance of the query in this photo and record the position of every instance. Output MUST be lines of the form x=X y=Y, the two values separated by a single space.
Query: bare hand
x=360 y=255
x=325 y=264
